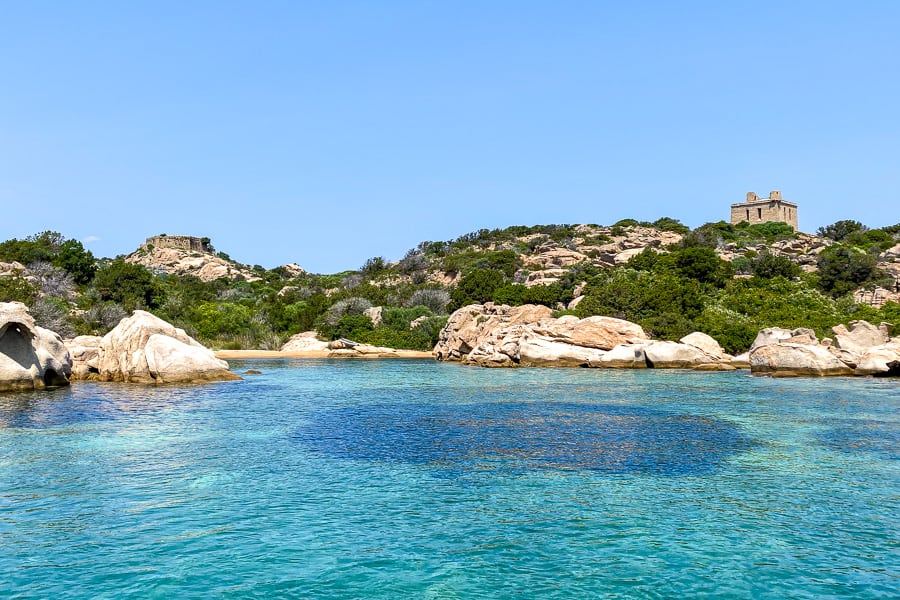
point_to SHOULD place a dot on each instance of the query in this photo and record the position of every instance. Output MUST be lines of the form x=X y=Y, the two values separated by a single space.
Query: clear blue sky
x=325 y=133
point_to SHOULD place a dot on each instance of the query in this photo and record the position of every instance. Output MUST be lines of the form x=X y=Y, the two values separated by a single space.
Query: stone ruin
x=757 y=210
x=178 y=242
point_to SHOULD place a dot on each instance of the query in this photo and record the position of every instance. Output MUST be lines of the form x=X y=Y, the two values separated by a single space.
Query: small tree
x=841 y=230
x=476 y=288
x=843 y=269
x=769 y=265
x=128 y=284
x=373 y=266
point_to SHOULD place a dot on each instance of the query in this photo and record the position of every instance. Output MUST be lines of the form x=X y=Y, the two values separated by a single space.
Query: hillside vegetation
x=726 y=280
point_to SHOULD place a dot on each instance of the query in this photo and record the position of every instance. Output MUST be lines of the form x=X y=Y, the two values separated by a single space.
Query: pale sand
x=238 y=354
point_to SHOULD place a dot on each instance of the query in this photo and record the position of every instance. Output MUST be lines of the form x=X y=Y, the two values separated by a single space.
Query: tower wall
x=179 y=242
x=765 y=210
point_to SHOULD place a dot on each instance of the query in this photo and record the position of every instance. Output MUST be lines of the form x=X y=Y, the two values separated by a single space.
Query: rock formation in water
x=31 y=357
x=863 y=349
x=145 y=349
x=492 y=335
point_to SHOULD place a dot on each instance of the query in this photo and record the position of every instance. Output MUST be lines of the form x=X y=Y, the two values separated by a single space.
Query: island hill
x=727 y=280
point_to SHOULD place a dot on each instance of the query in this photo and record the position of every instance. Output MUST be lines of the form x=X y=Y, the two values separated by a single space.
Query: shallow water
x=396 y=479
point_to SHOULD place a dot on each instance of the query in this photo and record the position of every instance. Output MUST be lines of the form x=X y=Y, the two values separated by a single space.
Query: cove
x=416 y=479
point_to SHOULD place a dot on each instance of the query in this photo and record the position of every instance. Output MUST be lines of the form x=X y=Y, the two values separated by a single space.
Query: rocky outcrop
x=501 y=336
x=625 y=356
x=675 y=355
x=493 y=335
x=861 y=336
x=31 y=357
x=375 y=314
x=12 y=268
x=307 y=341
x=802 y=250
x=603 y=333
x=705 y=343
x=881 y=360
x=145 y=349
x=85 y=353
x=863 y=349
x=788 y=359
x=472 y=325
x=203 y=265
x=292 y=270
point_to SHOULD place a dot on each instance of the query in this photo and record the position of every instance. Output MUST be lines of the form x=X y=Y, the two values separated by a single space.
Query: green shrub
x=670 y=224
x=703 y=265
x=477 y=287
x=14 y=288
x=843 y=269
x=217 y=320
x=769 y=265
x=841 y=230
x=770 y=231
x=352 y=327
x=663 y=303
x=128 y=284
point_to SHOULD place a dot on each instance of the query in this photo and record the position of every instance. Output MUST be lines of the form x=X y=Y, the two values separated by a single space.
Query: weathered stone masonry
x=765 y=210
x=179 y=242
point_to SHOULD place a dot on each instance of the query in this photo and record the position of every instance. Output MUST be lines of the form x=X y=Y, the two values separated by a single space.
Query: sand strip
x=239 y=354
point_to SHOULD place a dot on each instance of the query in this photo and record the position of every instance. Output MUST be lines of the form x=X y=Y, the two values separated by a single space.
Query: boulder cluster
x=31 y=357
x=140 y=349
x=145 y=349
x=206 y=266
x=863 y=349
x=492 y=335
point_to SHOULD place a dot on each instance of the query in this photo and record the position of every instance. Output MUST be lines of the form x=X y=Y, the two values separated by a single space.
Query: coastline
x=242 y=354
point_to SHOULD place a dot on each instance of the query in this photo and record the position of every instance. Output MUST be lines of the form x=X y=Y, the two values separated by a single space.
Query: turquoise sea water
x=414 y=479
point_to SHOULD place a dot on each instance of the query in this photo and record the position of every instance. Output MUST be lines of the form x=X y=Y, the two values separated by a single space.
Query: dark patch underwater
x=519 y=437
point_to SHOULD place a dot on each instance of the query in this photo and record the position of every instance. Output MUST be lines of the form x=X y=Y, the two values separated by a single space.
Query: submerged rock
x=31 y=357
x=145 y=349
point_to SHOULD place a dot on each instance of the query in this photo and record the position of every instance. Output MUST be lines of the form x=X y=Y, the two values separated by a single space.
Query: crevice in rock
x=893 y=370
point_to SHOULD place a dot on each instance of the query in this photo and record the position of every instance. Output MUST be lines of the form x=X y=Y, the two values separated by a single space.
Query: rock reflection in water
x=88 y=402
x=526 y=436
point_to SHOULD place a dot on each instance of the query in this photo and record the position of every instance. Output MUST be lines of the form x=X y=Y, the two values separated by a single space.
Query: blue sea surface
x=415 y=479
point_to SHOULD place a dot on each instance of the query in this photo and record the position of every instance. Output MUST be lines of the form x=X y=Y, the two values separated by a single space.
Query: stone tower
x=187 y=243
x=756 y=210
